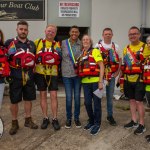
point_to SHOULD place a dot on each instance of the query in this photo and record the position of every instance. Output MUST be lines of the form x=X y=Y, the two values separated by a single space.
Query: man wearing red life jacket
x=134 y=88
x=22 y=85
x=48 y=55
x=112 y=62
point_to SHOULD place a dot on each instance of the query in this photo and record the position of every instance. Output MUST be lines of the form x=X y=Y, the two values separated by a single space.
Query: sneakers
x=55 y=124
x=77 y=123
x=147 y=138
x=111 y=121
x=29 y=123
x=14 y=127
x=45 y=123
x=141 y=129
x=130 y=125
x=68 y=124
x=95 y=129
x=88 y=126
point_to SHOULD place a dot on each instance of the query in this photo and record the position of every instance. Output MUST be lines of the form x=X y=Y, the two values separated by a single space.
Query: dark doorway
x=63 y=32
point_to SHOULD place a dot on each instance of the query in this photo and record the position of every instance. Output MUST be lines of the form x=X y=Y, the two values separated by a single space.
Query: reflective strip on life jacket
x=134 y=70
x=87 y=66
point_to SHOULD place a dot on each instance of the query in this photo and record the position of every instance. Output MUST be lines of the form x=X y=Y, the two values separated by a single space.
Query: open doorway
x=63 y=32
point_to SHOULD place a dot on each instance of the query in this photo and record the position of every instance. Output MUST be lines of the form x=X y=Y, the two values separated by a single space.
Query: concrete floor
x=109 y=138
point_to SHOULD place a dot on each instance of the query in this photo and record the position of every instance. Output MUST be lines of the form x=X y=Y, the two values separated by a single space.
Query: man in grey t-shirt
x=71 y=49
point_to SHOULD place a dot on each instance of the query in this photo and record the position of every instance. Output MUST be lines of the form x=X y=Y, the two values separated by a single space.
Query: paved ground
x=109 y=138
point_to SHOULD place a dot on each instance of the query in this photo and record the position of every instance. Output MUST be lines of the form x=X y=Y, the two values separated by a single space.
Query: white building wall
x=148 y=14
x=120 y=15
x=36 y=28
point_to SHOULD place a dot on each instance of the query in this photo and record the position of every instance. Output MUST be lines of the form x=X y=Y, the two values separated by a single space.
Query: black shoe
x=141 y=129
x=130 y=125
x=68 y=124
x=148 y=140
x=77 y=123
x=89 y=126
x=95 y=130
x=111 y=121
x=55 y=124
x=147 y=137
x=45 y=123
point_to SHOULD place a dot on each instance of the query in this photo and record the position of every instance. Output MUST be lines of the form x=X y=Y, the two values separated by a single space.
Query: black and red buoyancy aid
x=133 y=61
x=21 y=58
x=4 y=65
x=87 y=65
x=47 y=56
x=110 y=57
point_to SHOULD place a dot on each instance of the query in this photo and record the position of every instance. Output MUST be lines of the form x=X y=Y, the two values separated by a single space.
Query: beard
x=22 y=36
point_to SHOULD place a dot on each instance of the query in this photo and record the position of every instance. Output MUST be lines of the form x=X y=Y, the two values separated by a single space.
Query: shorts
x=134 y=90
x=43 y=82
x=18 y=91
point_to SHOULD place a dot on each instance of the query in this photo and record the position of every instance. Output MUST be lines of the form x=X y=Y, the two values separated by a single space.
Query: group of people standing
x=81 y=64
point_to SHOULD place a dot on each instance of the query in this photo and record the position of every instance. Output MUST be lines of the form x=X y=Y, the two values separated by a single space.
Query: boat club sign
x=22 y=9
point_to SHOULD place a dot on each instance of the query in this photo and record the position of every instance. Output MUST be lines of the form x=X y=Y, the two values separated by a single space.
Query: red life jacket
x=48 y=56
x=110 y=57
x=87 y=65
x=146 y=71
x=4 y=65
x=138 y=58
x=22 y=58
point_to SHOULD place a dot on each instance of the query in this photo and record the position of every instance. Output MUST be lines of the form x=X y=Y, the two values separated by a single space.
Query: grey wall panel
x=84 y=19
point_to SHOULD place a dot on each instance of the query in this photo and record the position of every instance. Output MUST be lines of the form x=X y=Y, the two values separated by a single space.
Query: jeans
x=109 y=96
x=72 y=83
x=96 y=114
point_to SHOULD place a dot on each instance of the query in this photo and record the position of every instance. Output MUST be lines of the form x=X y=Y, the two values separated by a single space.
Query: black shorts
x=134 y=90
x=18 y=91
x=43 y=82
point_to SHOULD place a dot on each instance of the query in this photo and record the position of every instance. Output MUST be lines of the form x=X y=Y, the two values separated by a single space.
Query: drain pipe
x=144 y=11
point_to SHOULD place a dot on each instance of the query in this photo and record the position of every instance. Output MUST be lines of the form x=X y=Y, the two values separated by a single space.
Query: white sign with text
x=69 y=9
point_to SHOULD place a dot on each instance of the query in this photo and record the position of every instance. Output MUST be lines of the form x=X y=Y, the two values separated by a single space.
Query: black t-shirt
x=17 y=73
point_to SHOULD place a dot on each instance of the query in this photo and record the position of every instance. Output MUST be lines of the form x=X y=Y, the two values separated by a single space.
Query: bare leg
x=133 y=108
x=141 y=111
x=43 y=103
x=54 y=103
x=14 y=111
x=27 y=108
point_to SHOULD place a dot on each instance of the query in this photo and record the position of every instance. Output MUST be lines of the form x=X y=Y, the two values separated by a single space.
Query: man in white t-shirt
x=112 y=63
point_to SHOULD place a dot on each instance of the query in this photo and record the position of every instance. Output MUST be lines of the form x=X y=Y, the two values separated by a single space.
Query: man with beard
x=22 y=85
